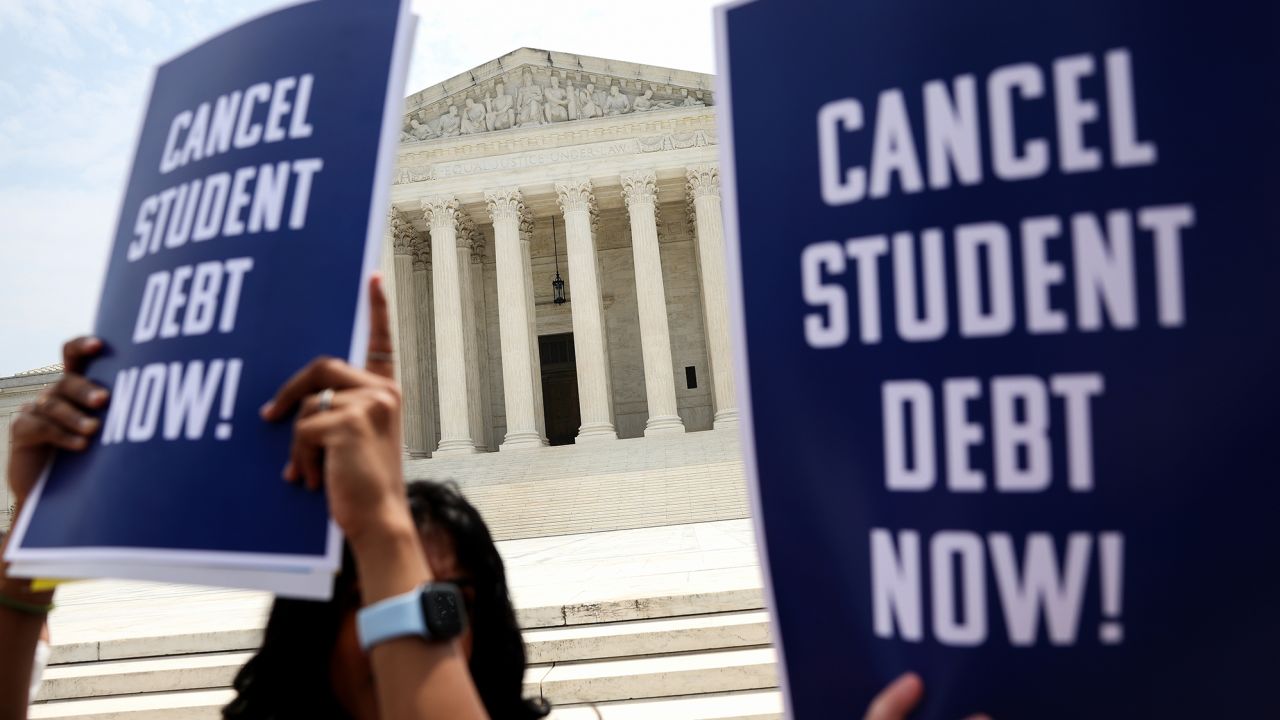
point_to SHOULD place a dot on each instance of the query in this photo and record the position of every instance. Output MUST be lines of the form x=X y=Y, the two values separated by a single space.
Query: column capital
x=640 y=186
x=469 y=234
x=505 y=204
x=403 y=234
x=421 y=250
x=576 y=196
x=440 y=211
x=394 y=219
x=526 y=225
x=702 y=180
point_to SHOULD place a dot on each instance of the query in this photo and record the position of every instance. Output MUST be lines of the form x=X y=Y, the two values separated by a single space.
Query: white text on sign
x=1108 y=269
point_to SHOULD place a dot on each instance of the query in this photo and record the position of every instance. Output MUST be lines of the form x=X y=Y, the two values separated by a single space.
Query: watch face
x=443 y=610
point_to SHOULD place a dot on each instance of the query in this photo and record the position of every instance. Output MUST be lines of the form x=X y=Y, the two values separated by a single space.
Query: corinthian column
x=506 y=209
x=640 y=190
x=704 y=189
x=578 y=205
x=482 y=338
x=535 y=354
x=425 y=352
x=468 y=237
x=416 y=435
x=451 y=367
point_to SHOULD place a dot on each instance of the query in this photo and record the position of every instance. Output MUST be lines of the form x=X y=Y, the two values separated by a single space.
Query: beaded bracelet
x=25 y=607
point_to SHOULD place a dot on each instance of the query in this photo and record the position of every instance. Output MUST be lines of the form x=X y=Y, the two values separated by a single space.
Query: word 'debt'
x=1020 y=435
x=168 y=294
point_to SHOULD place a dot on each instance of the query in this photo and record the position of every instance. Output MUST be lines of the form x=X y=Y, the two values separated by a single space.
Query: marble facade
x=621 y=160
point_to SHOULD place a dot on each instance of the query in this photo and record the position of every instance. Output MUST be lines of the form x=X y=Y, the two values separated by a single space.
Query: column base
x=663 y=425
x=456 y=447
x=522 y=441
x=596 y=431
x=727 y=418
x=418 y=454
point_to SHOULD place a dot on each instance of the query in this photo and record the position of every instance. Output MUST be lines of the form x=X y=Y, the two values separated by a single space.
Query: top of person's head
x=289 y=676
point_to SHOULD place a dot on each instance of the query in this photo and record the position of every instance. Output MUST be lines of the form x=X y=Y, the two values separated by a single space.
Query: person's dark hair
x=289 y=676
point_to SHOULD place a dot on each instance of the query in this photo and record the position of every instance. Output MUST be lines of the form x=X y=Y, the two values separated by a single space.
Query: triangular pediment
x=532 y=88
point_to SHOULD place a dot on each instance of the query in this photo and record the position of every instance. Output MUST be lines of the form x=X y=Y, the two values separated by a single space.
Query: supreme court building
x=542 y=166
x=537 y=166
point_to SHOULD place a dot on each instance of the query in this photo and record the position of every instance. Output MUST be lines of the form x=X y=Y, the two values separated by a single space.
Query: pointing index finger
x=379 y=359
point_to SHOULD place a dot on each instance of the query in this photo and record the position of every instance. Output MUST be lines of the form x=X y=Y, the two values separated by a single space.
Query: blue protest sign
x=252 y=216
x=1005 y=280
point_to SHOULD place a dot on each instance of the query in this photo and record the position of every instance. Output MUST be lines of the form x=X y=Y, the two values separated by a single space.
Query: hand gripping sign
x=1005 y=275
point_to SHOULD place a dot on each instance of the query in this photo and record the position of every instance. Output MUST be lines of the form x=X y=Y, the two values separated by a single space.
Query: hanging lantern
x=557 y=285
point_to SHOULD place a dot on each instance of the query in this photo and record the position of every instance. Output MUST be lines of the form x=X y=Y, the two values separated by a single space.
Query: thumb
x=896 y=700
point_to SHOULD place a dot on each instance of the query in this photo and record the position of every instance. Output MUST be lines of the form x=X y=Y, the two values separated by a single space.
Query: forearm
x=415 y=680
x=19 y=632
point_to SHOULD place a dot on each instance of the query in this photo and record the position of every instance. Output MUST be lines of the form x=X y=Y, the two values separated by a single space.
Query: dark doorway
x=559 y=388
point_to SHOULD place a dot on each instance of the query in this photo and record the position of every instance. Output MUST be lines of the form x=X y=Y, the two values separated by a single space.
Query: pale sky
x=73 y=78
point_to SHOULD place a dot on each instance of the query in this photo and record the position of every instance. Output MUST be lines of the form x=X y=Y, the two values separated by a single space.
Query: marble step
x=143 y=675
x=745 y=705
x=531 y=618
x=647 y=637
x=183 y=705
x=584 y=681
x=655 y=676
x=659 y=636
x=568 y=683
x=207 y=704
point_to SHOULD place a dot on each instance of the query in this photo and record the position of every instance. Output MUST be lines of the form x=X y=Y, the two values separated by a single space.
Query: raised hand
x=61 y=417
x=347 y=432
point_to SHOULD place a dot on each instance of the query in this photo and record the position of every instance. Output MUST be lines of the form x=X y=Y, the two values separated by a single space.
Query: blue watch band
x=395 y=617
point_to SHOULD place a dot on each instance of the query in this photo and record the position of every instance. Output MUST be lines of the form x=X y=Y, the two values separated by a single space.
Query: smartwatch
x=433 y=612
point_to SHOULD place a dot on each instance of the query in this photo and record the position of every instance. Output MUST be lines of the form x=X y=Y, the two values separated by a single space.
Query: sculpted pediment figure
x=420 y=130
x=450 y=122
x=547 y=89
x=616 y=103
x=587 y=105
x=557 y=102
x=529 y=102
x=687 y=101
x=501 y=109
x=474 y=118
